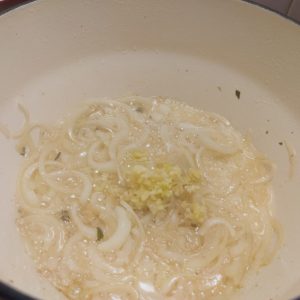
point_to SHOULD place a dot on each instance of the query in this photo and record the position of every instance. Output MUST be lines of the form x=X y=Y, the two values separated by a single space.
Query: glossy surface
x=57 y=53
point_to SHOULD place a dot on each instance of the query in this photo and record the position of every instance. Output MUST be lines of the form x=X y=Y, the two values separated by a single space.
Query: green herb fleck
x=139 y=109
x=238 y=94
x=57 y=156
x=64 y=216
x=23 y=151
x=100 y=234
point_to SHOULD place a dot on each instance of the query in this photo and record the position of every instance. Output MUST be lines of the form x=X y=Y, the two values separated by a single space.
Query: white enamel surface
x=54 y=54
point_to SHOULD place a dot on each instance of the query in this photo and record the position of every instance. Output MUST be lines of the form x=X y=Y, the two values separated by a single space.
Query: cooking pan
x=229 y=57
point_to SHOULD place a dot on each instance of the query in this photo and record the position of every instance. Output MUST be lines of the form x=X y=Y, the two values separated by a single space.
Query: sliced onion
x=120 y=235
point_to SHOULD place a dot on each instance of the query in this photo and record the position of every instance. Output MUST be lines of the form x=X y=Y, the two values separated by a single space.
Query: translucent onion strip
x=214 y=222
x=205 y=136
x=29 y=195
x=84 y=179
x=86 y=231
x=99 y=263
x=25 y=113
x=47 y=229
x=142 y=234
x=106 y=166
x=121 y=233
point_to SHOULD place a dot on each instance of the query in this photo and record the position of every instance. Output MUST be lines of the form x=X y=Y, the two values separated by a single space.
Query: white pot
x=54 y=54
